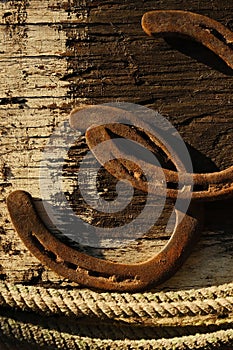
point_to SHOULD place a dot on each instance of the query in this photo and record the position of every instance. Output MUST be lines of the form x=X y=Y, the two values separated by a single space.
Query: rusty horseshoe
x=206 y=187
x=205 y=30
x=95 y=272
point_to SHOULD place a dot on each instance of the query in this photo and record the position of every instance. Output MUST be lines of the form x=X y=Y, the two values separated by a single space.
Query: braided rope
x=213 y=305
x=206 y=309
x=53 y=339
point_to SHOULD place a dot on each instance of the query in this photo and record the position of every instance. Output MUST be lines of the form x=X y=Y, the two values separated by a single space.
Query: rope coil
x=164 y=308
x=202 y=308
x=53 y=339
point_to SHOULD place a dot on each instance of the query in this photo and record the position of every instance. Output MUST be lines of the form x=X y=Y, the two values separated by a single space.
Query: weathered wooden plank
x=40 y=12
x=31 y=44
x=33 y=100
x=27 y=79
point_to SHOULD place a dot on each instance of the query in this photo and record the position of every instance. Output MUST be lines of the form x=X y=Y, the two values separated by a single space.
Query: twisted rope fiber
x=44 y=338
x=201 y=306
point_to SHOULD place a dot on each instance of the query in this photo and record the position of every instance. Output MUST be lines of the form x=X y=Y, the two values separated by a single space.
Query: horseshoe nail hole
x=172 y=185
x=200 y=188
x=216 y=33
x=70 y=265
x=42 y=249
x=113 y=278
x=51 y=255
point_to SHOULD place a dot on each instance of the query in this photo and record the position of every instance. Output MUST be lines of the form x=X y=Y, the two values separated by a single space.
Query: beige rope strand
x=53 y=339
x=213 y=305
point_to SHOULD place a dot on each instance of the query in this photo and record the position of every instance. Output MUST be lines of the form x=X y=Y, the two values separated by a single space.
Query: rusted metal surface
x=98 y=273
x=91 y=120
x=206 y=187
x=205 y=30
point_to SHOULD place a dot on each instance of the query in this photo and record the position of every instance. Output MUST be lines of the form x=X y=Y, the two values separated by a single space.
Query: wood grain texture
x=57 y=54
